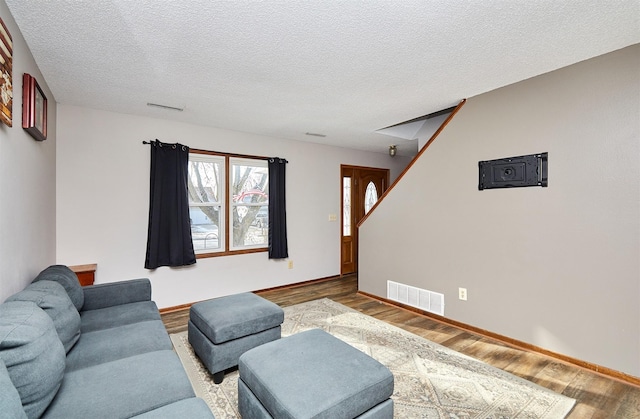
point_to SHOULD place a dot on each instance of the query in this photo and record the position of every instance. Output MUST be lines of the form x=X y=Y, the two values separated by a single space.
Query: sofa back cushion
x=10 y=404
x=32 y=353
x=54 y=300
x=68 y=279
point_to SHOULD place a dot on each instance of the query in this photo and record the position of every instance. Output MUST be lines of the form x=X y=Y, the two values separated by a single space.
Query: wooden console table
x=86 y=273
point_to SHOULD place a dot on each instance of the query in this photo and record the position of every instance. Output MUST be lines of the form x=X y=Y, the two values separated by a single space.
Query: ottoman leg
x=218 y=377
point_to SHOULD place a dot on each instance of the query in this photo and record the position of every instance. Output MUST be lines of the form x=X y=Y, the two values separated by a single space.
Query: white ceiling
x=283 y=68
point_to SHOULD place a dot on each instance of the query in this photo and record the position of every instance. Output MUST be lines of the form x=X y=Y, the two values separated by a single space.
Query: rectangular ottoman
x=313 y=375
x=222 y=329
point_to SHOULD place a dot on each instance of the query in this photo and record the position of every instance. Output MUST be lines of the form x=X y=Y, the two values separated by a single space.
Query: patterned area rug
x=431 y=381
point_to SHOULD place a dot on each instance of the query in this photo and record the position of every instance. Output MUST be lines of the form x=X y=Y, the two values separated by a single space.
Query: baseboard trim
x=175 y=308
x=281 y=287
x=607 y=372
x=298 y=284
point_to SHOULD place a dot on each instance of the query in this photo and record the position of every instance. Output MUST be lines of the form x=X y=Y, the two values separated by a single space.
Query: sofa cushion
x=54 y=300
x=68 y=279
x=117 y=293
x=102 y=346
x=106 y=318
x=10 y=404
x=32 y=352
x=123 y=388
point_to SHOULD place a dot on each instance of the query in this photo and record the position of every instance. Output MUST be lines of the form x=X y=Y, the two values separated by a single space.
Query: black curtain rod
x=220 y=153
x=184 y=148
x=197 y=151
x=156 y=140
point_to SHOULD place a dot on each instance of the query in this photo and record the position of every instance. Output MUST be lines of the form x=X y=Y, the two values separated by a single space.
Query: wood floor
x=596 y=396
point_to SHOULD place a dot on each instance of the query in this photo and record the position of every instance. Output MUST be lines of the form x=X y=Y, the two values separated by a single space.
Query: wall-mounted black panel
x=514 y=172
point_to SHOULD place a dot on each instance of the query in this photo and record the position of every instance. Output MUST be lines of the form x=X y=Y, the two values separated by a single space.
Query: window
x=206 y=202
x=249 y=182
x=228 y=204
x=346 y=206
x=370 y=197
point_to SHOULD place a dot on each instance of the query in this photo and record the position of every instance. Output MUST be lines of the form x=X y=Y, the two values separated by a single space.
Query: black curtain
x=277 y=209
x=169 y=238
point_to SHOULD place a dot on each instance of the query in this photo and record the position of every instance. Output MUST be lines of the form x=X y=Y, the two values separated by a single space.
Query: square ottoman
x=313 y=375
x=222 y=329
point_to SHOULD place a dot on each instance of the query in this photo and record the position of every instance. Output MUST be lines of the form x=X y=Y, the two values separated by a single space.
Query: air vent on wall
x=430 y=301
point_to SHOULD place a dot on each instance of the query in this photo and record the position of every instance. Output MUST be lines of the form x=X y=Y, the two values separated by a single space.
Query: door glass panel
x=346 y=206
x=370 y=197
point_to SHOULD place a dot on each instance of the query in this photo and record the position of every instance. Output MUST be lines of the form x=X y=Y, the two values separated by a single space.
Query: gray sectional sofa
x=68 y=351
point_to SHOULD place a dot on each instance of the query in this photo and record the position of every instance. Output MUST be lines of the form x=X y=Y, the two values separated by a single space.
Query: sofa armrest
x=116 y=293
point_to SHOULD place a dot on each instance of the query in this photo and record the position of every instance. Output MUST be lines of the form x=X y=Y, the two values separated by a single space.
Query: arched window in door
x=370 y=197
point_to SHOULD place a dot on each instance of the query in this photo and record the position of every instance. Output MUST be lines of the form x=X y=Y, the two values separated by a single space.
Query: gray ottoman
x=222 y=329
x=313 y=375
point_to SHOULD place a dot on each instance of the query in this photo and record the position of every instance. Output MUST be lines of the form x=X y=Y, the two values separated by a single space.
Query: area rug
x=430 y=380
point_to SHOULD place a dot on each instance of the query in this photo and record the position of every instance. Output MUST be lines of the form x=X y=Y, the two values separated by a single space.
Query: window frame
x=243 y=161
x=226 y=203
x=220 y=203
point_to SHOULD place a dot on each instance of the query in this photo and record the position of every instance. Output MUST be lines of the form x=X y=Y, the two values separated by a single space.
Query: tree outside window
x=243 y=199
x=249 y=183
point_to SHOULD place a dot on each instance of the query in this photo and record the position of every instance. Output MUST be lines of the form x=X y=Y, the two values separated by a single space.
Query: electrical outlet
x=462 y=294
x=333 y=217
x=290 y=264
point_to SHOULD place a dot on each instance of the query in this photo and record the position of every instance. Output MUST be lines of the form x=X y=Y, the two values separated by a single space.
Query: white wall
x=557 y=267
x=103 y=198
x=27 y=181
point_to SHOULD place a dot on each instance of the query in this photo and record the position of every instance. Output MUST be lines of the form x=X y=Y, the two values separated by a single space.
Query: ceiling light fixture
x=393 y=150
x=171 y=108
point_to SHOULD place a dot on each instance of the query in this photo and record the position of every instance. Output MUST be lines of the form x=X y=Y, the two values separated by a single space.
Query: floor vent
x=430 y=301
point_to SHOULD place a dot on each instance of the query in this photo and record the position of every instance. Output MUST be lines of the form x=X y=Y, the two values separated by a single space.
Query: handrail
x=406 y=169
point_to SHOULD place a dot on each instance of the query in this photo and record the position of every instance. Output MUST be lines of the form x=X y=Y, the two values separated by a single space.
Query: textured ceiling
x=284 y=68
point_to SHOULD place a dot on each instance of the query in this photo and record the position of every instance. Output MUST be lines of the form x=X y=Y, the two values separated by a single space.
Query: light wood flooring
x=596 y=396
